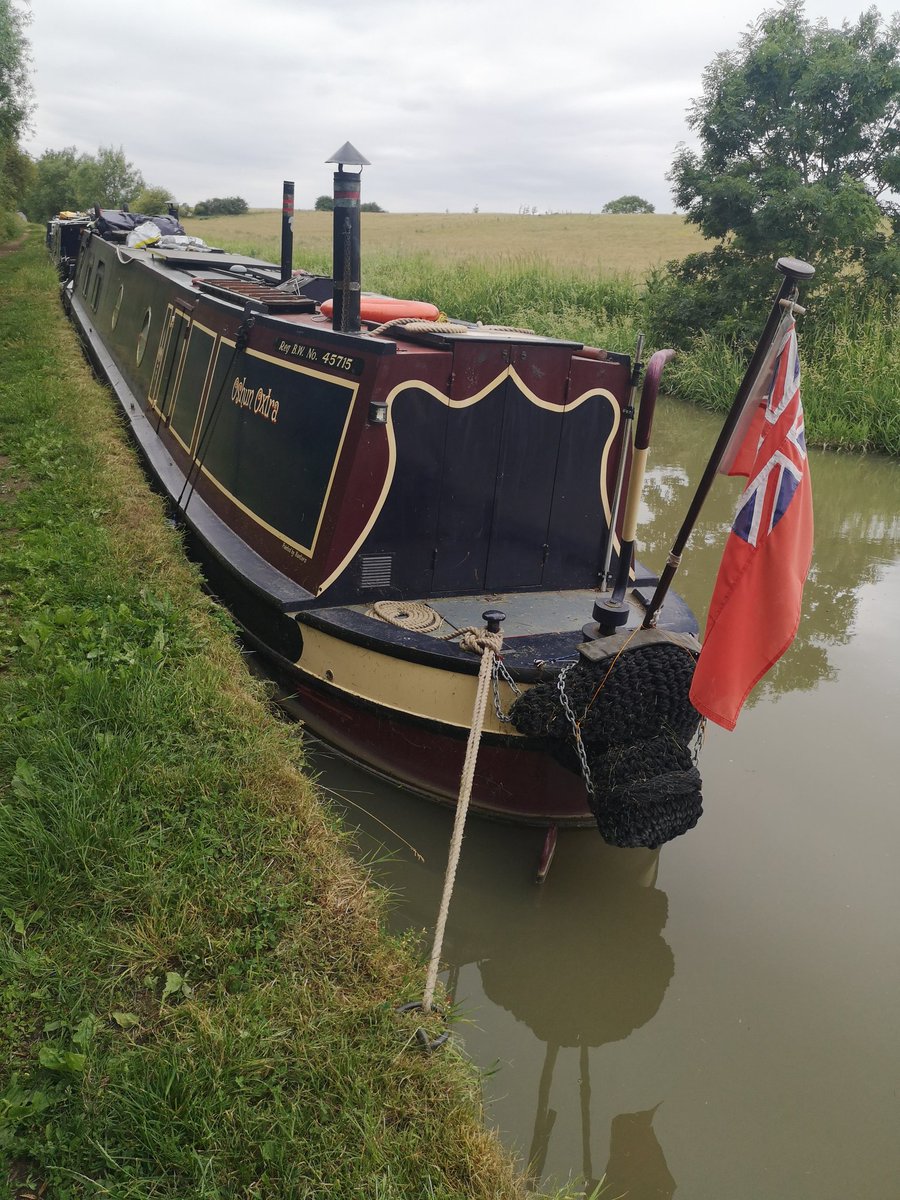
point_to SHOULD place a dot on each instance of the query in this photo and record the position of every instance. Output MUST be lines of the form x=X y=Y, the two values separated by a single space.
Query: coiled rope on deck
x=414 y=615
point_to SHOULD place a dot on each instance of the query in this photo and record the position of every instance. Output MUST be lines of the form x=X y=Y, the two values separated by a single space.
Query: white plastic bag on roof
x=181 y=241
x=145 y=234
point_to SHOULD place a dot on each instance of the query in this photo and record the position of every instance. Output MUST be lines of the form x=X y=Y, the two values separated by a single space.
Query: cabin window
x=117 y=306
x=142 y=337
x=86 y=279
x=98 y=285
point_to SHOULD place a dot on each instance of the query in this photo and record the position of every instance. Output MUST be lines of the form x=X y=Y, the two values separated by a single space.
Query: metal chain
x=576 y=729
x=499 y=669
x=552 y=662
x=698 y=744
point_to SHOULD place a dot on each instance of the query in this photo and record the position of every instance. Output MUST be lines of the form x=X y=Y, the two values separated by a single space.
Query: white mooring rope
x=490 y=644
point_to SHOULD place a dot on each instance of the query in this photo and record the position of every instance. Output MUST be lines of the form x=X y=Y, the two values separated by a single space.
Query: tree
x=17 y=173
x=15 y=106
x=152 y=200
x=628 y=204
x=15 y=84
x=799 y=153
x=65 y=179
x=53 y=189
x=800 y=136
x=107 y=179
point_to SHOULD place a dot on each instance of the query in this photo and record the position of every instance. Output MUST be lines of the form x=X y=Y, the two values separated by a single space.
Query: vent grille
x=375 y=570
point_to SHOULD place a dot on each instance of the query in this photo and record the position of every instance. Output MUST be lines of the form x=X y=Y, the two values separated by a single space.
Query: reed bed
x=850 y=362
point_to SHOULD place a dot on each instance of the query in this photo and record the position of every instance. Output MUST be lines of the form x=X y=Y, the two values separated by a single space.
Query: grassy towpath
x=196 y=999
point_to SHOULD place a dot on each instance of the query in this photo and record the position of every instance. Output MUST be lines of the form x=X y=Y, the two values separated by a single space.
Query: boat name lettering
x=259 y=402
x=315 y=354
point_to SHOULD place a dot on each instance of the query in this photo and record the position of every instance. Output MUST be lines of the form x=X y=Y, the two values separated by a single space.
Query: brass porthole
x=117 y=306
x=142 y=337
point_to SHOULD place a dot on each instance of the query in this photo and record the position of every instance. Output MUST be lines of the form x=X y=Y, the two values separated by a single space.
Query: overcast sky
x=557 y=104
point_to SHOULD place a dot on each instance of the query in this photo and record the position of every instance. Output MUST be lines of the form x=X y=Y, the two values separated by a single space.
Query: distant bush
x=628 y=204
x=218 y=206
x=371 y=206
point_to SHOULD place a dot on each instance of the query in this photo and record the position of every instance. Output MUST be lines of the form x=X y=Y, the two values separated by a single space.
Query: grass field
x=617 y=245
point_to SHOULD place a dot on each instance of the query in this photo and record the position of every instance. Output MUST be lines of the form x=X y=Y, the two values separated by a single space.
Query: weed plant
x=850 y=363
x=196 y=998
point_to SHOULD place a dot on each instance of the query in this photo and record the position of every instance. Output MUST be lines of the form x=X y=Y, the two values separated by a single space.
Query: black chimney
x=346 y=269
x=287 y=230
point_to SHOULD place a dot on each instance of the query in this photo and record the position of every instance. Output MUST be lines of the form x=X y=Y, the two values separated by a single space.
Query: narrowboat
x=362 y=479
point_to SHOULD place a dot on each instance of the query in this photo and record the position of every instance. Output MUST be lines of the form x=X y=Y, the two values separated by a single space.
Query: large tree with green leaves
x=15 y=83
x=15 y=101
x=53 y=187
x=107 y=179
x=65 y=179
x=799 y=154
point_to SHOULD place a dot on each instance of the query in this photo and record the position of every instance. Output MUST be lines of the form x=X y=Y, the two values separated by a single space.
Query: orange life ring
x=387 y=308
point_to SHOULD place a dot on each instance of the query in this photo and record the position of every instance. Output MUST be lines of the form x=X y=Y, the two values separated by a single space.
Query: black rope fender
x=629 y=697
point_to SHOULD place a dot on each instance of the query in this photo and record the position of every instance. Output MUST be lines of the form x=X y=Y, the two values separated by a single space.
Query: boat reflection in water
x=577 y=984
x=606 y=976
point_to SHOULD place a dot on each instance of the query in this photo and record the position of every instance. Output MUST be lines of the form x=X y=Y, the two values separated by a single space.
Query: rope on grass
x=491 y=645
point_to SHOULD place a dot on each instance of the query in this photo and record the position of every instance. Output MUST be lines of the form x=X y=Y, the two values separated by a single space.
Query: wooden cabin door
x=499 y=469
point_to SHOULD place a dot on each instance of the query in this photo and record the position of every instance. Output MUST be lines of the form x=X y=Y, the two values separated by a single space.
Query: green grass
x=196 y=998
x=599 y=310
x=850 y=376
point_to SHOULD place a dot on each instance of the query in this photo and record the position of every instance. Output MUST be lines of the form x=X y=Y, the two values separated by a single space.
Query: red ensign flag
x=755 y=607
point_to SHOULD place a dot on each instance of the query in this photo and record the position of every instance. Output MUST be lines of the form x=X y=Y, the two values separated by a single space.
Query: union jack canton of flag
x=763 y=504
x=755 y=608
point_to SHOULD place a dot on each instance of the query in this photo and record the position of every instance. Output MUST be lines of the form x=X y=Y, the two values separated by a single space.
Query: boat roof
x=211 y=272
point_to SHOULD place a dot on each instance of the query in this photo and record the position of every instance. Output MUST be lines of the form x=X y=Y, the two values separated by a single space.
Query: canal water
x=721 y=1018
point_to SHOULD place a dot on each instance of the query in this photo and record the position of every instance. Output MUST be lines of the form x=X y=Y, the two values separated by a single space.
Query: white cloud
x=563 y=105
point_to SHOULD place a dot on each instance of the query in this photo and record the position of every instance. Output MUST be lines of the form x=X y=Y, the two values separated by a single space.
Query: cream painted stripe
x=394 y=683
x=443 y=398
